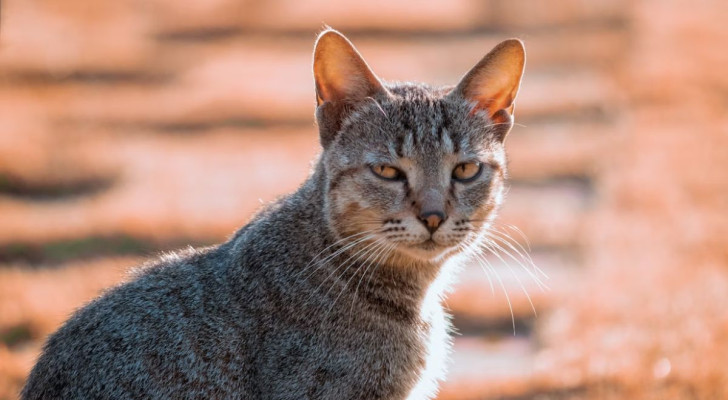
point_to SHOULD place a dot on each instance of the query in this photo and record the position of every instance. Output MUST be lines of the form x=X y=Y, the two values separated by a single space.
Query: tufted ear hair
x=492 y=85
x=342 y=79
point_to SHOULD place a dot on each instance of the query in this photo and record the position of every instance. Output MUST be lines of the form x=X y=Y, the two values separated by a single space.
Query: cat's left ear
x=494 y=82
x=343 y=80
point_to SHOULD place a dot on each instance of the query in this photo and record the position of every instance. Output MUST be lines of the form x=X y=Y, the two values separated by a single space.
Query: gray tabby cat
x=332 y=292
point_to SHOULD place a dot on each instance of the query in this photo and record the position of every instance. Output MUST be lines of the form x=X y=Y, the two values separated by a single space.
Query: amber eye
x=388 y=172
x=466 y=172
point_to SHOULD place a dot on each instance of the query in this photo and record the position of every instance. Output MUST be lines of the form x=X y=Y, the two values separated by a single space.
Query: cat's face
x=411 y=169
x=417 y=171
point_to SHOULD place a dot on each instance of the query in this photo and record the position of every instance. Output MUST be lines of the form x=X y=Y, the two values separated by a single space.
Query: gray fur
x=270 y=314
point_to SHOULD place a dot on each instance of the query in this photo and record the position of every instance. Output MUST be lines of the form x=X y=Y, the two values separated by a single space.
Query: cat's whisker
x=376 y=259
x=493 y=248
x=323 y=263
x=484 y=261
x=320 y=264
x=381 y=243
x=389 y=251
x=520 y=283
x=336 y=269
x=382 y=253
x=507 y=240
x=505 y=293
x=520 y=232
x=314 y=259
x=376 y=245
x=472 y=249
x=496 y=249
x=345 y=265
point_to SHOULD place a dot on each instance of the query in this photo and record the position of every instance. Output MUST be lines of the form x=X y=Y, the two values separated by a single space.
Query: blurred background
x=132 y=127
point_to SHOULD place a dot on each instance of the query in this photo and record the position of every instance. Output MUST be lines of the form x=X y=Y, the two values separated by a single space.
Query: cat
x=332 y=292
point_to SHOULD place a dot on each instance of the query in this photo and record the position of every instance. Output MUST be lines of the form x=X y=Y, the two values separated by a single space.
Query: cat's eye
x=467 y=171
x=388 y=172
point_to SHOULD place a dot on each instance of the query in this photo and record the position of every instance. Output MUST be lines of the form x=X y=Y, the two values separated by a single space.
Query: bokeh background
x=132 y=127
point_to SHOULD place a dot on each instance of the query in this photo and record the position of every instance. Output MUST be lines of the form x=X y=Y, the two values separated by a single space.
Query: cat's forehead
x=423 y=121
x=419 y=104
x=416 y=122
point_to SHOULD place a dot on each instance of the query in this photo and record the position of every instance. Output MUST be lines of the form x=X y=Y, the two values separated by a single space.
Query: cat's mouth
x=428 y=250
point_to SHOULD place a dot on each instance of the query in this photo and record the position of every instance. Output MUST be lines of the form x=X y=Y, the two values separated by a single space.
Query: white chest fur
x=438 y=345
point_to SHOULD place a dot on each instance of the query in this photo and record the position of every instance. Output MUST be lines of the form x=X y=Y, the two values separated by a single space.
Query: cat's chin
x=428 y=251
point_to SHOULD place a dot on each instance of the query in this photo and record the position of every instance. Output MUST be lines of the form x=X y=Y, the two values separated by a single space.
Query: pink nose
x=432 y=219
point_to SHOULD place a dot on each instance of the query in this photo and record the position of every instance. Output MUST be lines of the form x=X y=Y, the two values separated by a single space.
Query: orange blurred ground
x=128 y=129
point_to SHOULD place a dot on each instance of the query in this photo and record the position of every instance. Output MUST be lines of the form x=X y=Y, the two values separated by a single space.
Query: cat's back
x=164 y=331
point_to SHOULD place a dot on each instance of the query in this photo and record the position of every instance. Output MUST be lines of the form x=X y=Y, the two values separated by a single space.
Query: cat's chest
x=396 y=360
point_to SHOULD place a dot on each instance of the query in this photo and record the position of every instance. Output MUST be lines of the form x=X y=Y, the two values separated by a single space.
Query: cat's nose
x=432 y=209
x=432 y=219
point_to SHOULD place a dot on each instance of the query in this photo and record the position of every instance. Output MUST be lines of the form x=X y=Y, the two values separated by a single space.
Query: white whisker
x=346 y=264
x=520 y=283
x=374 y=247
x=386 y=254
x=523 y=253
x=472 y=248
x=314 y=259
x=496 y=249
x=376 y=260
x=485 y=262
x=320 y=264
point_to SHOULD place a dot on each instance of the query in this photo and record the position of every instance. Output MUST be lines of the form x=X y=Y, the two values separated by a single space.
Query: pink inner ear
x=340 y=71
x=494 y=90
x=492 y=102
x=493 y=83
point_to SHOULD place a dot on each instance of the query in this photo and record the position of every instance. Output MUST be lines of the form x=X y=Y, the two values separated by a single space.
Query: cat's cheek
x=349 y=213
x=472 y=198
x=387 y=197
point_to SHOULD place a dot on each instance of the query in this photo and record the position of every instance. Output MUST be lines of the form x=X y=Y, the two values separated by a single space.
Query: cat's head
x=410 y=168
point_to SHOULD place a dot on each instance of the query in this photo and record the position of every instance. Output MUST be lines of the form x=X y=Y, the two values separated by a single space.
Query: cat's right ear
x=342 y=78
x=492 y=85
